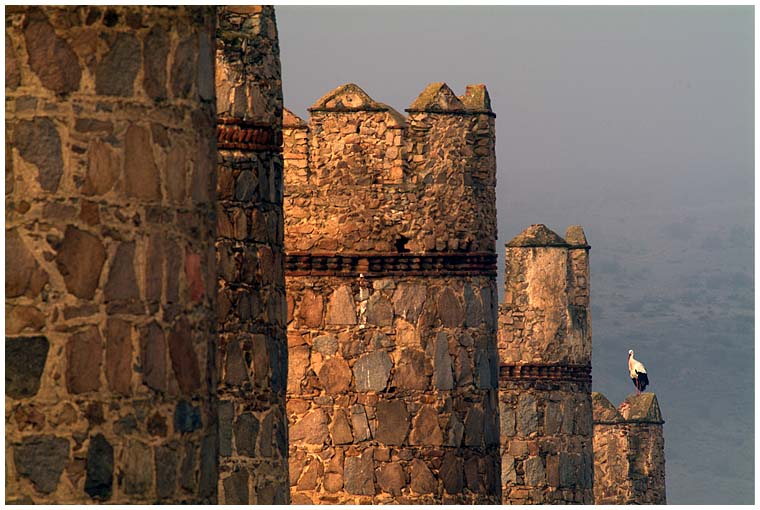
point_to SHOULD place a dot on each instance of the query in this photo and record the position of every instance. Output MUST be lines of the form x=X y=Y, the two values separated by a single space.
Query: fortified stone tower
x=629 y=451
x=544 y=340
x=110 y=228
x=390 y=273
x=252 y=341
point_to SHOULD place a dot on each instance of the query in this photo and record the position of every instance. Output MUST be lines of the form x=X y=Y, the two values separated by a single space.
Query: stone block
x=165 y=457
x=450 y=309
x=392 y=422
x=84 y=353
x=246 y=431
x=443 y=376
x=452 y=473
x=372 y=370
x=99 y=482
x=341 y=309
x=341 y=429
x=24 y=363
x=119 y=356
x=535 y=474
x=80 y=260
x=391 y=478
x=311 y=428
x=41 y=459
x=116 y=72
x=358 y=474
x=412 y=370
x=335 y=375
x=137 y=468
x=425 y=428
x=527 y=416
x=379 y=310
x=51 y=58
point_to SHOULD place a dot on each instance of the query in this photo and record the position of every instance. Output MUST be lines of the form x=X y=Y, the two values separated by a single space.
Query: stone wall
x=110 y=224
x=544 y=342
x=629 y=451
x=253 y=445
x=390 y=275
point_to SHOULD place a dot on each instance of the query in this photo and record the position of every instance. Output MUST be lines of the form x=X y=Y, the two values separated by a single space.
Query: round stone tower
x=544 y=341
x=252 y=340
x=390 y=272
x=110 y=273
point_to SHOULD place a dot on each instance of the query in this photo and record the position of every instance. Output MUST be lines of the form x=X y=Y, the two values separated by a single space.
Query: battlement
x=629 y=451
x=362 y=177
x=545 y=316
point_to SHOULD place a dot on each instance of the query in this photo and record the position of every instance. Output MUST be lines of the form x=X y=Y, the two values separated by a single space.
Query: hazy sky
x=635 y=122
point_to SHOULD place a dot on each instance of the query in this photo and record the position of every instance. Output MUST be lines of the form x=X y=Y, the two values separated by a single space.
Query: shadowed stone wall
x=253 y=444
x=110 y=289
x=629 y=451
x=544 y=341
x=390 y=272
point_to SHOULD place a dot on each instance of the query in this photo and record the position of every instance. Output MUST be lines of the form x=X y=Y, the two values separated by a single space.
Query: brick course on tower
x=389 y=234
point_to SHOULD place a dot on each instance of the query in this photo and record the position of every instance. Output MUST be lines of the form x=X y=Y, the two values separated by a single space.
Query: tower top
x=538 y=235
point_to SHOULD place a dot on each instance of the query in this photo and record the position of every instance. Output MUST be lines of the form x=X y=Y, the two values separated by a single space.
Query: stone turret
x=249 y=248
x=110 y=272
x=390 y=273
x=544 y=342
x=629 y=451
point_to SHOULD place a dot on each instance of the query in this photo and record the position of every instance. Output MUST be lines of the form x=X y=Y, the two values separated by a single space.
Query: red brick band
x=240 y=135
x=387 y=264
x=575 y=373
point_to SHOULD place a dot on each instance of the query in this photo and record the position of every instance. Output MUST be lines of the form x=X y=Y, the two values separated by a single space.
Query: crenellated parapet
x=629 y=451
x=390 y=272
x=428 y=179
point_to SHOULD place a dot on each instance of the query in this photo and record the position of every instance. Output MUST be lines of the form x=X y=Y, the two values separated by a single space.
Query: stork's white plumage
x=638 y=373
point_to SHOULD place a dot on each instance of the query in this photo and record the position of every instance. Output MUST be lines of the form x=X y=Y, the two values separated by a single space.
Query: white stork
x=638 y=373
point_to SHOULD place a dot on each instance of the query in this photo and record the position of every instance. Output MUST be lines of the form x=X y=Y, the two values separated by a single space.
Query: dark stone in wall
x=23 y=274
x=358 y=474
x=12 y=72
x=236 y=488
x=119 y=355
x=155 y=51
x=392 y=422
x=166 y=470
x=141 y=176
x=452 y=473
x=50 y=57
x=24 y=364
x=84 y=352
x=153 y=347
x=115 y=74
x=188 y=479
x=80 y=260
x=209 y=467
x=137 y=469
x=246 y=432
x=184 y=68
x=38 y=142
x=187 y=417
x=41 y=459
x=225 y=413
x=122 y=284
x=99 y=482
x=184 y=359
